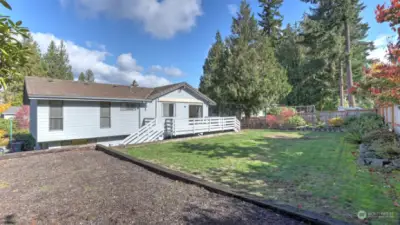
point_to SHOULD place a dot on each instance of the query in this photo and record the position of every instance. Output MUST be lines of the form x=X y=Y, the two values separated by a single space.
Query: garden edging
x=291 y=211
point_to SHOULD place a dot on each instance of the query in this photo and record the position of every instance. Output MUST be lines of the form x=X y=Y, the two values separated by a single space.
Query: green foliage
x=82 y=77
x=57 y=61
x=358 y=126
x=374 y=135
x=276 y=111
x=135 y=83
x=13 y=54
x=296 y=121
x=27 y=138
x=230 y=74
x=271 y=19
x=89 y=75
x=5 y=125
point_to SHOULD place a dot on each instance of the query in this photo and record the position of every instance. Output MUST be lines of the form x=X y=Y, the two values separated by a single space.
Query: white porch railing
x=153 y=130
x=202 y=125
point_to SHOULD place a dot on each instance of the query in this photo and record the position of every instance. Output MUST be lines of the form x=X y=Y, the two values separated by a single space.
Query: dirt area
x=90 y=187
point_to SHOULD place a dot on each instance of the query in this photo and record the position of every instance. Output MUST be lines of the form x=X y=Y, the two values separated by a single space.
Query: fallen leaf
x=396 y=204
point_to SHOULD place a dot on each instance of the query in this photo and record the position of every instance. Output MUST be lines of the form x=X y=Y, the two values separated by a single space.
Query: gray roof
x=12 y=110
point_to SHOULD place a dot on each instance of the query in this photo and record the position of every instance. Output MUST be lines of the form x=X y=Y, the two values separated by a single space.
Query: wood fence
x=391 y=113
x=323 y=116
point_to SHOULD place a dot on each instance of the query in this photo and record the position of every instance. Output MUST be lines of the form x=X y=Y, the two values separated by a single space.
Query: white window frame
x=105 y=127
x=174 y=108
x=129 y=106
x=57 y=118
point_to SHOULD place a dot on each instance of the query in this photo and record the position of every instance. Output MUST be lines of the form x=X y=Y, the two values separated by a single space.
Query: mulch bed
x=90 y=187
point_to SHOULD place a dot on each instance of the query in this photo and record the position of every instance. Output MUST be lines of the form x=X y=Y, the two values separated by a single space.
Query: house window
x=195 y=111
x=168 y=110
x=56 y=115
x=125 y=106
x=105 y=115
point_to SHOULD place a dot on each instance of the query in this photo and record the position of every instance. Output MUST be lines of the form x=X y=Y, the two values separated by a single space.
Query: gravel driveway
x=90 y=187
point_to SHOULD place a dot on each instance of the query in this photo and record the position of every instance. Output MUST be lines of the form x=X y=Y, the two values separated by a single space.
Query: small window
x=195 y=111
x=56 y=115
x=168 y=110
x=105 y=115
x=125 y=106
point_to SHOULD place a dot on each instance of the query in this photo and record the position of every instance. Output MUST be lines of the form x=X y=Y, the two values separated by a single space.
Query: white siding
x=82 y=121
x=8 y=117
x=181 y=107
x=397 y=119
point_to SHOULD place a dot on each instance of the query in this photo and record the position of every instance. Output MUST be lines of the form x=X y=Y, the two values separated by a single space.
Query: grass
x=313 y=171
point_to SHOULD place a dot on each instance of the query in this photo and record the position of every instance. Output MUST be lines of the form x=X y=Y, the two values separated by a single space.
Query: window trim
x=174 y=113
x=100 y=106
x=62 y=116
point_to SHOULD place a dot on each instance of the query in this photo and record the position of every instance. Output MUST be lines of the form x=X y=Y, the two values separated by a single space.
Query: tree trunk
x=348 y=65
x=341 y=89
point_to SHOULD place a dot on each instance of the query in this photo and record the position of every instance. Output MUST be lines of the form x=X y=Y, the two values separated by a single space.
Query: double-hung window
x=56 y=115
x=105 y=115
x=168 y=110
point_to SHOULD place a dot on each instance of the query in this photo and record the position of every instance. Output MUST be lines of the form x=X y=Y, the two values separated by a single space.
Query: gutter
x=40 y=97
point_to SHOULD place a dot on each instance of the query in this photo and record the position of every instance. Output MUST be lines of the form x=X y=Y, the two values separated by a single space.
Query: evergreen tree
x=51 y=60
x=57 y=62
x=82 y=77
x=343 y=17
x=89 y=76
x=63 y=62
x=212 y=81
x=271 y=18
x=256 y=80
x=135 y=83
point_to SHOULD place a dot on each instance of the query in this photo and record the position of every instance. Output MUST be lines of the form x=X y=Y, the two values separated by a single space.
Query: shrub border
x=293 y=212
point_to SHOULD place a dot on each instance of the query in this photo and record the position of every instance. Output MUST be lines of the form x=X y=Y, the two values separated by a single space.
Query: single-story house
x=10 y=112
x=66 y=112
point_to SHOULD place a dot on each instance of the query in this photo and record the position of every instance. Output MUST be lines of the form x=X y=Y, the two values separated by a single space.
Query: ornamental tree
x=22 y=117
x=382 y=80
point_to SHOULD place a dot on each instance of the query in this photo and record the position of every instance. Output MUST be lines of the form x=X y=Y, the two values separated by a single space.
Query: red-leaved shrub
x=22 y=117
x=287 y=113
x=272 y=121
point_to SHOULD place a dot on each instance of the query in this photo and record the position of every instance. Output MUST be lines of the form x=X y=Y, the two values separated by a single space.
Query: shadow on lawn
x=278 y=170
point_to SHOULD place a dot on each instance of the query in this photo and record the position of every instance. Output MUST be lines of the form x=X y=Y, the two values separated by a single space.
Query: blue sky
x=154 y=42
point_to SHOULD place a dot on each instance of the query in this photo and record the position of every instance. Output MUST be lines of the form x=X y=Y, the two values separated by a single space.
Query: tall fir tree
x=271 y=19
x=213 y=78
x=57 y=62
x=89 y=75
x=256 y=80
x=135 y=83
x=82 y=77
x=344 y=18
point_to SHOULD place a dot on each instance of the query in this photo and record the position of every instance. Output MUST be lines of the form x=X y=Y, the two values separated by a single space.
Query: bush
x=272 y=121
x=4 y=141
x=22 y=117
x=336 y=122
x=5 y=125
x=382 y=134
x=296 y=121
x=358 y=126
x=386 y=150
x=27 y=138
x=287 y=113
x=4 y=107
x=276 y=111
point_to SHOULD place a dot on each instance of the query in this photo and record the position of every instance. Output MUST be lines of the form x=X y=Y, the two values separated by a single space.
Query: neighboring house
x=10 y=112
x=71 y=112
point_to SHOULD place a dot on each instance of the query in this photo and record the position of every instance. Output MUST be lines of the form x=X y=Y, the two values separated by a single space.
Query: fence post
x=393 y=117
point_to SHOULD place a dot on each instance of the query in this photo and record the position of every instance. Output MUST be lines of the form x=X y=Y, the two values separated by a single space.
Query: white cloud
x=233 y=9
x=170 y=70
x=163 y=19
x=82 y=59
x=95 y=45
x=380 y=50
x=125 y=62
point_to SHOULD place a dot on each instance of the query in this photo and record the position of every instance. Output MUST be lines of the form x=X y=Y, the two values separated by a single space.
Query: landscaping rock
x=396 y=163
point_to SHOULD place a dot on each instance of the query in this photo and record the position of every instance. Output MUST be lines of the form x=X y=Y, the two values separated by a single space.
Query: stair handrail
x=150 y=124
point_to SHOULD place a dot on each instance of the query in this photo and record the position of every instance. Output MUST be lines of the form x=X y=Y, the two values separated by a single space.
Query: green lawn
x=314 y=171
